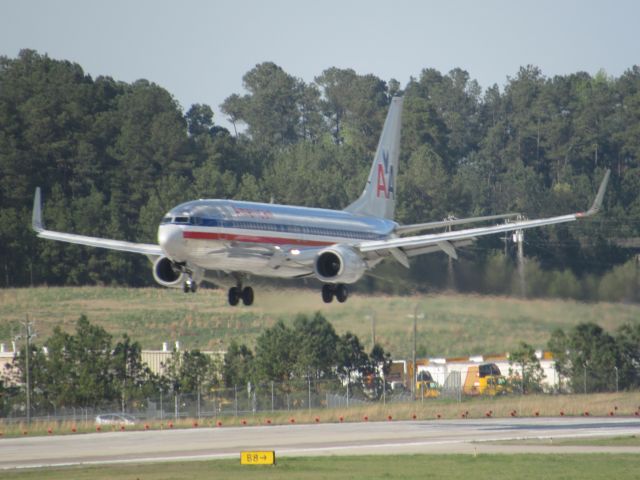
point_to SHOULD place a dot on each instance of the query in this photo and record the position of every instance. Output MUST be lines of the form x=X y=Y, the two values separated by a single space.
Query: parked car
x=115 y=419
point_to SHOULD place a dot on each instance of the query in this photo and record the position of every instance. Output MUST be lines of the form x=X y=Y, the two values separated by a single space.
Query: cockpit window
x=183 y=220
x=166 y=220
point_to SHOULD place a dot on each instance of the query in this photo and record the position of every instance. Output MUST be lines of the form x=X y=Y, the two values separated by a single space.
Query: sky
x=199 y=50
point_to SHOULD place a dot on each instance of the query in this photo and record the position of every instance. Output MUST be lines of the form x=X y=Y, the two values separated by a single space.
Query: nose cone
x=172 y=242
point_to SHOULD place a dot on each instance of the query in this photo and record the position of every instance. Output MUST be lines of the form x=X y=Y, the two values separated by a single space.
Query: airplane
x=202 y=238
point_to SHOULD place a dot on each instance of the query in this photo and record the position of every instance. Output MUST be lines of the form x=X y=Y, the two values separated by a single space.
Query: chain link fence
x=240 y=400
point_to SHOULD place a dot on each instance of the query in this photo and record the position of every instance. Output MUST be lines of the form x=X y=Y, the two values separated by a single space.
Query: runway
x=443 y=436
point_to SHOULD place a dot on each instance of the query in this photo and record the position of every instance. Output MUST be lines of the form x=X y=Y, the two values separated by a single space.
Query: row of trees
x=310 y=348
x=113 y=157
x=87 y=369
x=587 y=359
x=593 y=360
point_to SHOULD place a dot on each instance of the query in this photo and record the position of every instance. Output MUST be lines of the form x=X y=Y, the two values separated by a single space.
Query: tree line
x=87 y=369
x=589 y=359
x=113 y=157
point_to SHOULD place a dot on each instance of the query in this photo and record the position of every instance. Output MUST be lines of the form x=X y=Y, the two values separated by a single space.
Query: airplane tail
x=379 y=196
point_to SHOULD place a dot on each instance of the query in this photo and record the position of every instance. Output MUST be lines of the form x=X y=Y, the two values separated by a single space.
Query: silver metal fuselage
x=247 y=237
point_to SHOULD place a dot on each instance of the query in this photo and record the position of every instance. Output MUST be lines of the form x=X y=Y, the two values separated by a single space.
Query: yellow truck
x=426 y=387
x=485 y=379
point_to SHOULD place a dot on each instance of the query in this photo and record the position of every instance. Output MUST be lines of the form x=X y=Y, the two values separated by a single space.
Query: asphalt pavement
x=436 y=437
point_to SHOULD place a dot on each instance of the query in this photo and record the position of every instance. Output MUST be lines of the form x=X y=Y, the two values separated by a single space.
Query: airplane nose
x=171 y=241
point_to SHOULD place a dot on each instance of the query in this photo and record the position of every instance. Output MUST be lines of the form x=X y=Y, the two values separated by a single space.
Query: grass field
x=623 y=404
x=629 y=441
x=490 y=467
x=452 y=325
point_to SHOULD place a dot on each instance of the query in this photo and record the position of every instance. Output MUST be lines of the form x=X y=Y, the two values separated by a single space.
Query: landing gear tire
x=189 y=286
x=247 y=296
x=327 y=293
x=342 y=293
x=234 y=296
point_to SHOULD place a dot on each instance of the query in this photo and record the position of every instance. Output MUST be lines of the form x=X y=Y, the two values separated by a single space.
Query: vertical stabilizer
x=379 y=196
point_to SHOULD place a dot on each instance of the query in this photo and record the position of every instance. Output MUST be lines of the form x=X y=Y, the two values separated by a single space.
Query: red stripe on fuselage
x=252 y=239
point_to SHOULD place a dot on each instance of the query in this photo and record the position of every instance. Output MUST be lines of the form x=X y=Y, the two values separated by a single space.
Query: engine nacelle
x=339 y=264
x=168 y=274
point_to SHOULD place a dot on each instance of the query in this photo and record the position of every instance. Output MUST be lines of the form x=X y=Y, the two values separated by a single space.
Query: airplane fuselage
x=240 y=236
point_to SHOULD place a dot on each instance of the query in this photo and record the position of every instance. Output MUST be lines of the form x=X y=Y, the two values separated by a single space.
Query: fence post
x=235 y=390
x=348 y=391
x=272 y=396
x=384 y=391
x=309 y=381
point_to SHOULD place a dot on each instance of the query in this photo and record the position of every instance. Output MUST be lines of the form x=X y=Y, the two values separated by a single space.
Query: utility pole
x=451 y=281
x=373 y=330
x=415 y=368
x=637 y=289
x=518 y=237
x=27 y=324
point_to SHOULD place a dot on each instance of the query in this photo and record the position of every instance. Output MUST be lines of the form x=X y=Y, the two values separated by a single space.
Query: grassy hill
x=451 y=325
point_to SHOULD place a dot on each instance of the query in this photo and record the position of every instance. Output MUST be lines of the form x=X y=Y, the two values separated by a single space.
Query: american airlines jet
x=201 y=238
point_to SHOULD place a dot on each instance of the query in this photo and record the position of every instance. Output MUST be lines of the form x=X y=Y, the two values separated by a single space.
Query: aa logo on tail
x=385 y=177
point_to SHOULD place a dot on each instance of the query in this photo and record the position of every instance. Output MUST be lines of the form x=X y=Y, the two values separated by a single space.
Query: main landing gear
x=238 y=293
x=340 y=291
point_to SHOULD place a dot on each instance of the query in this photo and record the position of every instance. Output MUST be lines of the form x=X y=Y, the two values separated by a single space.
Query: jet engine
x=339 y=264
x=168 y=274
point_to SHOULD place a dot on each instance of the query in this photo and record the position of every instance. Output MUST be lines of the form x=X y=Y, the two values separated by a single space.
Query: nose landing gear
x=189 y=286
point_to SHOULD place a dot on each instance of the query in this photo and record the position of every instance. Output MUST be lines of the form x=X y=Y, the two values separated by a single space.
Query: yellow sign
x=258 y=458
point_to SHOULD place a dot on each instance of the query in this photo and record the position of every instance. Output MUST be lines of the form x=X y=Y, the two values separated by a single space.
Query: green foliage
x=131 y=376
x=592 y=358
x=310 y=348
x=527 y=378
x=276 y=351
x=317 y=342
x=351 y=358
x=628 y=341
x=238 y=365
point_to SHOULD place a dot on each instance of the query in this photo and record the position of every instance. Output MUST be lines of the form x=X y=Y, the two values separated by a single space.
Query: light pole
x=415 y=368
x=371 y=317
x=28 y=335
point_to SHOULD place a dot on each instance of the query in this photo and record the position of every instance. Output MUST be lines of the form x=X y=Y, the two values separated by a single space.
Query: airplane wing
x=419 y=227
x=150 y=250
x=402 y=247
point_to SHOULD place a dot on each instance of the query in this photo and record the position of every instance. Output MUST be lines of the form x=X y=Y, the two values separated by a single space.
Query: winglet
x=36 y=219
x=597 y=203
